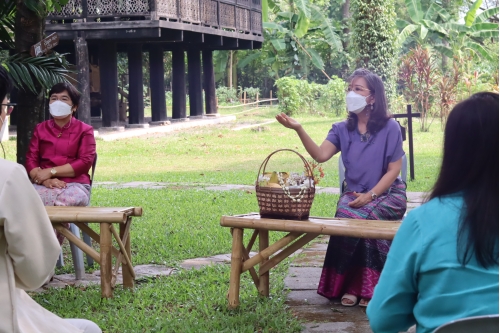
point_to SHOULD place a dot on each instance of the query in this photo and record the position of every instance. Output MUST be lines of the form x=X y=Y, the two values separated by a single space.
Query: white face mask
x=59 y=109
x=355 y=102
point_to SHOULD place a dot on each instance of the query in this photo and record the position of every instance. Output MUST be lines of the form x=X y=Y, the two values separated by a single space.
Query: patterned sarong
x=353 y=265
x=75 y=194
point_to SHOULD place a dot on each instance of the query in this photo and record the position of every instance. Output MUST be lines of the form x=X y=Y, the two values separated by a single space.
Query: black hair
x=379 y=115
x=470 y=168
x=74 y=95
x=5 y=83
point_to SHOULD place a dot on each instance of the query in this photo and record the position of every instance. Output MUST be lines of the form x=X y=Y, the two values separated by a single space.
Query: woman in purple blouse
x=61 y=153
x=371 y=146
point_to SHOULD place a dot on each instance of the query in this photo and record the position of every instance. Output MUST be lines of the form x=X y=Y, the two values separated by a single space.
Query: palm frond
x=47 y=71
x=7 y=17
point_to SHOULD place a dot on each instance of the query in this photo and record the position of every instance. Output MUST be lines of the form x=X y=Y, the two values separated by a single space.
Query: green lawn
x=221 y=155
x=181 y=223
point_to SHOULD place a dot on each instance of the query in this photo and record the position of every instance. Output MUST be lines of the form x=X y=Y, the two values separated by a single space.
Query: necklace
x=63 y=128
x=365 y=136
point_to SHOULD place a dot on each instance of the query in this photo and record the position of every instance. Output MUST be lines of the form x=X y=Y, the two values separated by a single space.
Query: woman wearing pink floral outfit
x=61 y=153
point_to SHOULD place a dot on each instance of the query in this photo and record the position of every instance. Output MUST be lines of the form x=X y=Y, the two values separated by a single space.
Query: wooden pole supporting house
x=135 y=95
x=157 y=83
x=209 y=82
x=194 y=77
x=82 y=63
x=109 y=83
x=178 y=85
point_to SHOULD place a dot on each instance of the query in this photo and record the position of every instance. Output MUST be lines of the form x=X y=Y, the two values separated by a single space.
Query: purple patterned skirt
x=353 y=265
x=75 y=194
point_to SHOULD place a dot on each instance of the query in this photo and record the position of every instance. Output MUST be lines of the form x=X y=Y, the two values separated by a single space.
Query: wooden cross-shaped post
x=408 y=115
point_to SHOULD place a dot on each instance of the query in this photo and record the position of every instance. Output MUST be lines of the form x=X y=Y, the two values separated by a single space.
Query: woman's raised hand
x=288 y=122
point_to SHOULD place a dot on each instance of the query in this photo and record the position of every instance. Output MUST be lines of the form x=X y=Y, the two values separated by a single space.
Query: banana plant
x=451 y=38
x=422 y=22
x=470 y=36
x=295 y=31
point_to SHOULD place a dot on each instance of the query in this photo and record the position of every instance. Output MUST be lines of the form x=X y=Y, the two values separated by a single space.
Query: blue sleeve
x=391 y=308
x=394 y=148
x=334 y=136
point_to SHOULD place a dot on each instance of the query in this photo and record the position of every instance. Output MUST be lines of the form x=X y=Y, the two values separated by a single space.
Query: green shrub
x=297 y=96
x=226 y=95
x=252 y=93
x=289 y=95
x=332 y=96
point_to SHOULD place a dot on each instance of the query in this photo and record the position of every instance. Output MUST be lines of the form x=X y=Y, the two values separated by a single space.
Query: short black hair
x=5 y=83
x=69 y=88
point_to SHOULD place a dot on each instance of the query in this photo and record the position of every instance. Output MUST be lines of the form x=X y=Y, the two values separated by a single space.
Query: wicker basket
x=275 y=203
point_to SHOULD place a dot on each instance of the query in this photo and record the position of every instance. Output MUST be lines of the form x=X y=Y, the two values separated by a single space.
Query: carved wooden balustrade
x=243 y=16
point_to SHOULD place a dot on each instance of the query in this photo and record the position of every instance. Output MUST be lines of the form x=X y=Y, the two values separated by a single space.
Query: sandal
x=349 y=297
x=364 y=302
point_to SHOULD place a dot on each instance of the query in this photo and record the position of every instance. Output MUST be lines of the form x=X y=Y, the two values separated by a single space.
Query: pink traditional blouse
x=53 y=146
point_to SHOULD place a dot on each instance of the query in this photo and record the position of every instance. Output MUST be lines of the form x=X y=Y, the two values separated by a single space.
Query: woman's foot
x=349 y=300
x=364 y=302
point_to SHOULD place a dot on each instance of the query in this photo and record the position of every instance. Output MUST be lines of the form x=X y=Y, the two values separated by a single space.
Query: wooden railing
x=242 y=16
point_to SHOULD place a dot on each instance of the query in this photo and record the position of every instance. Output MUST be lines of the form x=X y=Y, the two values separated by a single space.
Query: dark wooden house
x=98 y=29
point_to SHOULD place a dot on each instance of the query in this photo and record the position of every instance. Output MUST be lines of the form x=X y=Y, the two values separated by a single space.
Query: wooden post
x=157 y=83
x=264 y=278
x=209 y=82
x=409 y=116
x=236 y=263
x=410 y=142
x=244 y=97
x=82 y=62
x=105 y=257
x=109 y=83
x=257 y=99
x=271 y=97
x=178 y=84
x=194 y=77
x=135 y=95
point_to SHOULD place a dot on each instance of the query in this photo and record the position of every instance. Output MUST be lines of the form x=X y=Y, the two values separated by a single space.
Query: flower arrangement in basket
x=287 y=194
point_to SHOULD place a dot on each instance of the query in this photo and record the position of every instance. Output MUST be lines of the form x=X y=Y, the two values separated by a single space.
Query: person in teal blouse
x=443 y=262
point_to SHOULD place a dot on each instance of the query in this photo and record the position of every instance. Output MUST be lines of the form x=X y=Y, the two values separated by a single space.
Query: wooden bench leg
x=128 y=279
x=263 y=278
x=106 y=290
x=236 y=263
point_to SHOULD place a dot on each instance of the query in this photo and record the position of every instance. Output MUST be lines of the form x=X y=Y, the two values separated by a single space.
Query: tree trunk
x=234 y=67
x=29 y=29
x=345 y=21
x=230 y=72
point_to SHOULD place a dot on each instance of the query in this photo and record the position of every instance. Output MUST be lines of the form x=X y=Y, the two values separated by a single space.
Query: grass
x=188 y=302
x=181 y=223
x=220 y=155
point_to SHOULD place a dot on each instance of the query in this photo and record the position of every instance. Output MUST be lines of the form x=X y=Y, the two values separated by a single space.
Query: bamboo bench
x=299 y=234
x=106 y=217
